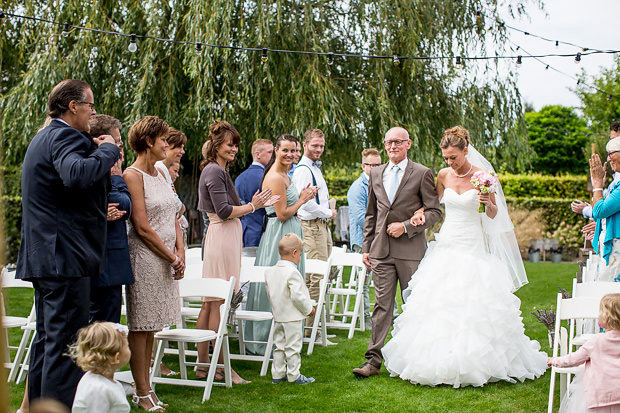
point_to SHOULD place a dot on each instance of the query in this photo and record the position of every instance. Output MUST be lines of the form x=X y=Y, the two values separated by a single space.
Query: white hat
x=613 y=145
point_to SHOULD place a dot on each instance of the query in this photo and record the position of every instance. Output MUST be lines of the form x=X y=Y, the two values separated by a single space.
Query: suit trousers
x=287 y=339
x=317 y=246
x=62 y=309
x=386 y=273
x=105 y=303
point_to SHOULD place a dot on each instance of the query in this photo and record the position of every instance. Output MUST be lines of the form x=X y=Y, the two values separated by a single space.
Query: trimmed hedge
x=514 y=186
x=12 y=210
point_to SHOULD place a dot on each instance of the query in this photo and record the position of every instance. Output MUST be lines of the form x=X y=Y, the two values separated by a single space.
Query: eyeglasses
x=92 y=105
x=396 y=142
x=372 y=165
x=611 y=153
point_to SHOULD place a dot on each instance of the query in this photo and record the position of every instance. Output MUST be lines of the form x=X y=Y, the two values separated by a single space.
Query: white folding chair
x=193 y=256
x=11 y=321
x=206 y=287
x=347 y=296
x=320 y=318
x=254 y=274
x=568 y=309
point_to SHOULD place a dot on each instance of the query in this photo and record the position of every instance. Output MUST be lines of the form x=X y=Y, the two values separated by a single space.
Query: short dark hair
x=176 y=138
x=615 y=127
x=103 y=124
x=63 y=93
x=145 y=132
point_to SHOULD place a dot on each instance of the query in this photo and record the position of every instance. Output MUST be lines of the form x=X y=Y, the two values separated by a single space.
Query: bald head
x=289 y=243
x=397 y=133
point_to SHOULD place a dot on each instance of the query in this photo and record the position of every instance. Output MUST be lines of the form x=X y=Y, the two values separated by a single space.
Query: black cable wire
x=585 y=52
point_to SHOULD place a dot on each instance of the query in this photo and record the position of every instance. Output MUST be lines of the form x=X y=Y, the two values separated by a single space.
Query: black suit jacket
x=117 y=267
x=65 y=184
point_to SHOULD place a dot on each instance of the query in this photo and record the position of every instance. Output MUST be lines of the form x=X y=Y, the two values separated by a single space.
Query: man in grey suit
x=392 y=246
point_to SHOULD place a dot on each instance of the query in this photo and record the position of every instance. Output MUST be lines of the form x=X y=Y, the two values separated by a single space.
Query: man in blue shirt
x=246 y=184
x=357 y=197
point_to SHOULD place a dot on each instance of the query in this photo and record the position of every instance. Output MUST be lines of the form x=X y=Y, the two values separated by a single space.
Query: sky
x=592 y=24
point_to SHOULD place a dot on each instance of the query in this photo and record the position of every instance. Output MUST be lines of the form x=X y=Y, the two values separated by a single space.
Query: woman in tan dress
x=156 y=253
x=219 y=199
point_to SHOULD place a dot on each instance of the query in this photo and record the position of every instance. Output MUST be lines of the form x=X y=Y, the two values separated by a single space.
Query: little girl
x=100 y=349
x=599 y=392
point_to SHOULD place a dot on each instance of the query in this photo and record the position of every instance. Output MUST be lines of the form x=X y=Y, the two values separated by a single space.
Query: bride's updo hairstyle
x=219 y=131
x=457 y=136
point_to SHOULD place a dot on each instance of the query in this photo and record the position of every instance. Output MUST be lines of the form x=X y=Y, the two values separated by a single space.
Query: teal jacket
x=608 y=208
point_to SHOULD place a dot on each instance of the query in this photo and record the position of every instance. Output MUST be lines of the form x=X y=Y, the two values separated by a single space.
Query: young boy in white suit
x=290 y=303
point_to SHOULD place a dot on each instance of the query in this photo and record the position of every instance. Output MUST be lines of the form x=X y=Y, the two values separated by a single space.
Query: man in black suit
x=65 y=181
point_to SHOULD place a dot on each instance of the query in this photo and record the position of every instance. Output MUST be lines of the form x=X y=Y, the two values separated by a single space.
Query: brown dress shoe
x=366 y=370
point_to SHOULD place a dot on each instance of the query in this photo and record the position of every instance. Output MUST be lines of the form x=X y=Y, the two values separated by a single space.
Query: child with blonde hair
x=101 y=349
x=598 y=389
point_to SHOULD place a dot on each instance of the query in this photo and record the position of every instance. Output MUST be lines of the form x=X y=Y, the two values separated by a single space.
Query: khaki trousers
x=317 y=246
x=287 y=339
x=386 y=273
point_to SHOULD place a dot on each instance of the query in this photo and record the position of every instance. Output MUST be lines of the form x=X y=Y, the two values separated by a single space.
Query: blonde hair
x=259 y=144
x=610 y=311
x=288 y=243
x=370 y=151
x=96 y=346
x=313 y=133
x=457 y=136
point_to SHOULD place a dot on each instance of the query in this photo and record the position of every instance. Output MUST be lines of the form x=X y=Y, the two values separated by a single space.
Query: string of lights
x=610 y=96
x=67 y=28
x=547 y=39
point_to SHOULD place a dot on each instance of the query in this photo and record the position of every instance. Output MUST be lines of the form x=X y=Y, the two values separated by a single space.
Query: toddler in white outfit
x=290 y=303
x=100 y=350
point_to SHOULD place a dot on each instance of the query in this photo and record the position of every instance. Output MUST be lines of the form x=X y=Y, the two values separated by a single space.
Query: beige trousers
x=287 y=339
x=317 y=246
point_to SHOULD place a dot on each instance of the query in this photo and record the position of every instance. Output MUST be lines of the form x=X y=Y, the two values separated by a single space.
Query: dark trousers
x=386 y=273
x=105 y=303
x=62 y=309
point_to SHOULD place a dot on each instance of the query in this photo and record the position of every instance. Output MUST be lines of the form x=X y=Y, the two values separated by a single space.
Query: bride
x=461 y=324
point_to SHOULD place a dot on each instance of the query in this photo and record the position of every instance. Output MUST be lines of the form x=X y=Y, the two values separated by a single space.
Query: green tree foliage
x=558 y=136
x=601 y=107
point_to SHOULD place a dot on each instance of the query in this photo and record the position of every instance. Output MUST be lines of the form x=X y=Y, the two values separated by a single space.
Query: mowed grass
x=336 y=389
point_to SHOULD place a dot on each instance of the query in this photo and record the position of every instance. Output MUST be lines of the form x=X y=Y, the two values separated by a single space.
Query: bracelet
x=253 y=208
x=597 y=189
x=176 y=260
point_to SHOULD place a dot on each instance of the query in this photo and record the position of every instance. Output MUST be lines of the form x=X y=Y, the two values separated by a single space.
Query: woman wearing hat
x=606 y=213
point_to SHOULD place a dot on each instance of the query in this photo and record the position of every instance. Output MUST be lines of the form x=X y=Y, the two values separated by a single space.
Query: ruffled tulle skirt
x=461 y=325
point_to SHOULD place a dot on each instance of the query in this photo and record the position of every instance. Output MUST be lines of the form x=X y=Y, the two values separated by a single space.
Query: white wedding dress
x=461 y=325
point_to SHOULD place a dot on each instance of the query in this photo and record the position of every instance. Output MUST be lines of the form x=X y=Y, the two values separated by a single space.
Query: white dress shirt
x=301 y=178
x=388 y=174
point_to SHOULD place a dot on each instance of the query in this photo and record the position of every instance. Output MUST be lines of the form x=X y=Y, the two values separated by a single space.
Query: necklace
x=465 y=174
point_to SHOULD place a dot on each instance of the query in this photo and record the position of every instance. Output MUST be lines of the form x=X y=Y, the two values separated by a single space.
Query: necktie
x=394 y=183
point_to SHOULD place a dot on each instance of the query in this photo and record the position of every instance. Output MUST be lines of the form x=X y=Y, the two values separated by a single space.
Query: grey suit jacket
x=416 y=190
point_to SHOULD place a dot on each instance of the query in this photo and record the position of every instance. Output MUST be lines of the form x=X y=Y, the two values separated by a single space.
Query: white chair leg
x=182 y=361
x=551 y=391
x=268 y=349
x=226 y=360
x=19 y=355
x=26 y=363
x=159 y=356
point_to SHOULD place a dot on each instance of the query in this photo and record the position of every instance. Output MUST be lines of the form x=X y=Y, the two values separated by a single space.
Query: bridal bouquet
x=486 y=182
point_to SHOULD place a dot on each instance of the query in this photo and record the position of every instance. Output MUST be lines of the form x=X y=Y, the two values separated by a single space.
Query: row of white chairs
x=580 y=312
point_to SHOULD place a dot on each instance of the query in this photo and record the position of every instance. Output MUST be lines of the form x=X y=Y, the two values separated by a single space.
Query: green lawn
x=336 y=389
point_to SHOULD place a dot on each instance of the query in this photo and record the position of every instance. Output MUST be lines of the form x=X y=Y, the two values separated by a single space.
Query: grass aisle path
x=336 y=389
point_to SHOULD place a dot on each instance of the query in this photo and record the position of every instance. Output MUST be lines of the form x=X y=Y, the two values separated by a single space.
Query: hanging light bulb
x=330 y=59
x=578 y=82
x=459 y=64
x=65 y=30
x=519 y=62
x=133 y=47
x=264 y=57
x=557 y=43
x=577 y=58
x=478 y=15
x=395 y=60
x=547 y=67
x=609 y=98
x=2 y=15
x=199 y=47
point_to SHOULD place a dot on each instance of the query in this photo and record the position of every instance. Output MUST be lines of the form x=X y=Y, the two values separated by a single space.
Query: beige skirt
x=222 y=256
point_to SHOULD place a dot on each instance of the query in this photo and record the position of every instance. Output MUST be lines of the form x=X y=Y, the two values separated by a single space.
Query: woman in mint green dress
x=281 y=219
